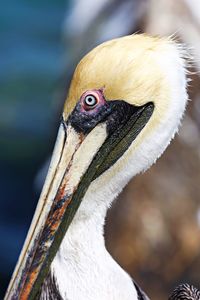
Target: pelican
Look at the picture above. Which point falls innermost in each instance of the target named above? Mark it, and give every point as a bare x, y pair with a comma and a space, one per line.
185, 291
124, 105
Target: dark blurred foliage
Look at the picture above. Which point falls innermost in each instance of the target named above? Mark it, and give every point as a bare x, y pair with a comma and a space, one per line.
153, 229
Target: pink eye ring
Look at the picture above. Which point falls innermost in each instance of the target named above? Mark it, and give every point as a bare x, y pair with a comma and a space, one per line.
90, 101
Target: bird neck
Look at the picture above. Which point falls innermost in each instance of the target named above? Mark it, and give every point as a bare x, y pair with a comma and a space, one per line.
82, 267
87, 228
84, 231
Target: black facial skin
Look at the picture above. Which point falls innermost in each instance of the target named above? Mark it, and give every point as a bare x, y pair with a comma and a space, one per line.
85, 121
115, 113
121, 113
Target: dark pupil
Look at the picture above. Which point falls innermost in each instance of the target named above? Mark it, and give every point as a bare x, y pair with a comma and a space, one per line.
90, 100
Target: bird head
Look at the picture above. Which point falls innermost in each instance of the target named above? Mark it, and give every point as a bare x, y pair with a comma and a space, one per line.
124, 105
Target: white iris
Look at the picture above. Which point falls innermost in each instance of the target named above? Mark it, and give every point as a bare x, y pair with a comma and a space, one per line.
90, 100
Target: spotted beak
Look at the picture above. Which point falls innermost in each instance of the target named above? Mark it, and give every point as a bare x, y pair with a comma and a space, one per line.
95, 135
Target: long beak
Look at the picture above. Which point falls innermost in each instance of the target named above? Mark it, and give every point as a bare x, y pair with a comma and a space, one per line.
57, 205
78, 158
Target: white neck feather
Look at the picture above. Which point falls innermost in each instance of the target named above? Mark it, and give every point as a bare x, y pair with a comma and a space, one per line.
83, 268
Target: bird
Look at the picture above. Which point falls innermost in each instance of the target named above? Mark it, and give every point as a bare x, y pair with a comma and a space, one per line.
185, 291
125, 103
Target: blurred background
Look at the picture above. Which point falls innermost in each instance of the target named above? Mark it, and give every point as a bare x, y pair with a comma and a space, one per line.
153, 229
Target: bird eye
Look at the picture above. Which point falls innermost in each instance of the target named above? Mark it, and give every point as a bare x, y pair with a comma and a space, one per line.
90, 101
